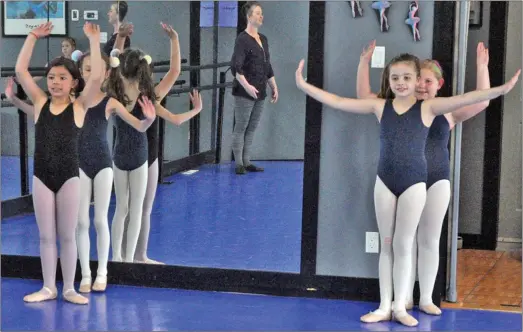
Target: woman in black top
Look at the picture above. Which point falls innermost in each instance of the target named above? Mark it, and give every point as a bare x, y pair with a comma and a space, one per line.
116, 15
252, 71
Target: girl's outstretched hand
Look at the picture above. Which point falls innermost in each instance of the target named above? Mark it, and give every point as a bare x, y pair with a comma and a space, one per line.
9, 91
169, 30
196, 99
505, 88
43, 30
366, 54
147, 108
91, 30
482, 56
300, 81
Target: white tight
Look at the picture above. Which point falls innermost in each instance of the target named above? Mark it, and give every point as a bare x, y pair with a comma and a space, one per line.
143, 240
103, 185
397, 220
130, 187
426, 248
140, 255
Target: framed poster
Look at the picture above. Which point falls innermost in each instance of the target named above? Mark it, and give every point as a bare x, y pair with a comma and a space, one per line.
20, 17
476, 14
227, 14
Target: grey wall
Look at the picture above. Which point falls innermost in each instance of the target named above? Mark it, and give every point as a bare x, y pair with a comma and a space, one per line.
350, 143
511, 159
281, 132
148, 35
473, 141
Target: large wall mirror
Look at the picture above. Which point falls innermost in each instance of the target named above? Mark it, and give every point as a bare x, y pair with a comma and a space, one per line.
204, 214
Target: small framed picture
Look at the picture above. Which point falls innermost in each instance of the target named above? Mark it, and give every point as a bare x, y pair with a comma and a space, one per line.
20, 17
476, 14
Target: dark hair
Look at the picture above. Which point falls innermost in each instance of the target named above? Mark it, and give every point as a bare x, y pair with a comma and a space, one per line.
122, 10
70, 40
133, 67
248, 7
105, 59
385, 91
72, 68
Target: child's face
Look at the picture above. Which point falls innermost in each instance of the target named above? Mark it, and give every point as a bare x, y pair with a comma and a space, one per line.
67, 49
60, 82
86, 69
403, 79
428, 85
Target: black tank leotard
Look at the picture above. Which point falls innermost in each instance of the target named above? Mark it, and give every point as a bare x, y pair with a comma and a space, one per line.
130, 149
152, 140
93, 148
403, 138
56, 147
437, 151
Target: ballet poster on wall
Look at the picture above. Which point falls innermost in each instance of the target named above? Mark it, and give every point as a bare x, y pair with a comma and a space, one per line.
20, 17
227, 14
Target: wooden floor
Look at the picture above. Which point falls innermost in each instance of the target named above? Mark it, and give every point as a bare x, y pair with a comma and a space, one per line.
488, 280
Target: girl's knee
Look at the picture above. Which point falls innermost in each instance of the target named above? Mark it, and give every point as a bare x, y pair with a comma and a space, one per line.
100, 223
47, 239
428, 242
402, 245
83, 224
122, 209
67, 239
386, 244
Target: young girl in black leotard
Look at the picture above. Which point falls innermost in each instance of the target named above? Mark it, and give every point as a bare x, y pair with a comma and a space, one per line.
55, 182
96, 173
130, 78
438, 181
400, 188
161, 90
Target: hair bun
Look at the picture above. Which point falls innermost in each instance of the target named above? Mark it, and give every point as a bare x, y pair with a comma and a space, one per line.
114, 62
115, 53
148, 59
76, 55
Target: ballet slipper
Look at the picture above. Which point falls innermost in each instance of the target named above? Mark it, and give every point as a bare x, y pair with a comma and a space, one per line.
404, 318
85, 285
148, 261
430, 309
376, 316
72, 296
100, 284
44, 294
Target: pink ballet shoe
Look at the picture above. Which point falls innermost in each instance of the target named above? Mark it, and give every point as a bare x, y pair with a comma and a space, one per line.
404, 318
45, 294
376, 316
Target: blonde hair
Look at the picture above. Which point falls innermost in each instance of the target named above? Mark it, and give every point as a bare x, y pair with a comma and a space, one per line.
434, 67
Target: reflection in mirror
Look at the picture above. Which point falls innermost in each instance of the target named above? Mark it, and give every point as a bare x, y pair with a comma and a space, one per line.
185, 204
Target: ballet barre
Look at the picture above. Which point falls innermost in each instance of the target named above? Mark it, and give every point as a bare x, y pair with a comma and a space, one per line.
6, 103
40, 71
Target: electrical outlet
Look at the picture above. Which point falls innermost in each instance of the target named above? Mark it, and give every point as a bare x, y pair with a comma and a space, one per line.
372, 242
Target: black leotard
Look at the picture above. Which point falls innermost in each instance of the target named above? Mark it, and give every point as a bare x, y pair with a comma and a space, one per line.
56, 147
130, 149
437, 151
93, 148
403, 138
152, 140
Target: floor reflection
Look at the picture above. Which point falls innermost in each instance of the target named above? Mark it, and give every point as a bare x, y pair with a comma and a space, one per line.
212, 218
